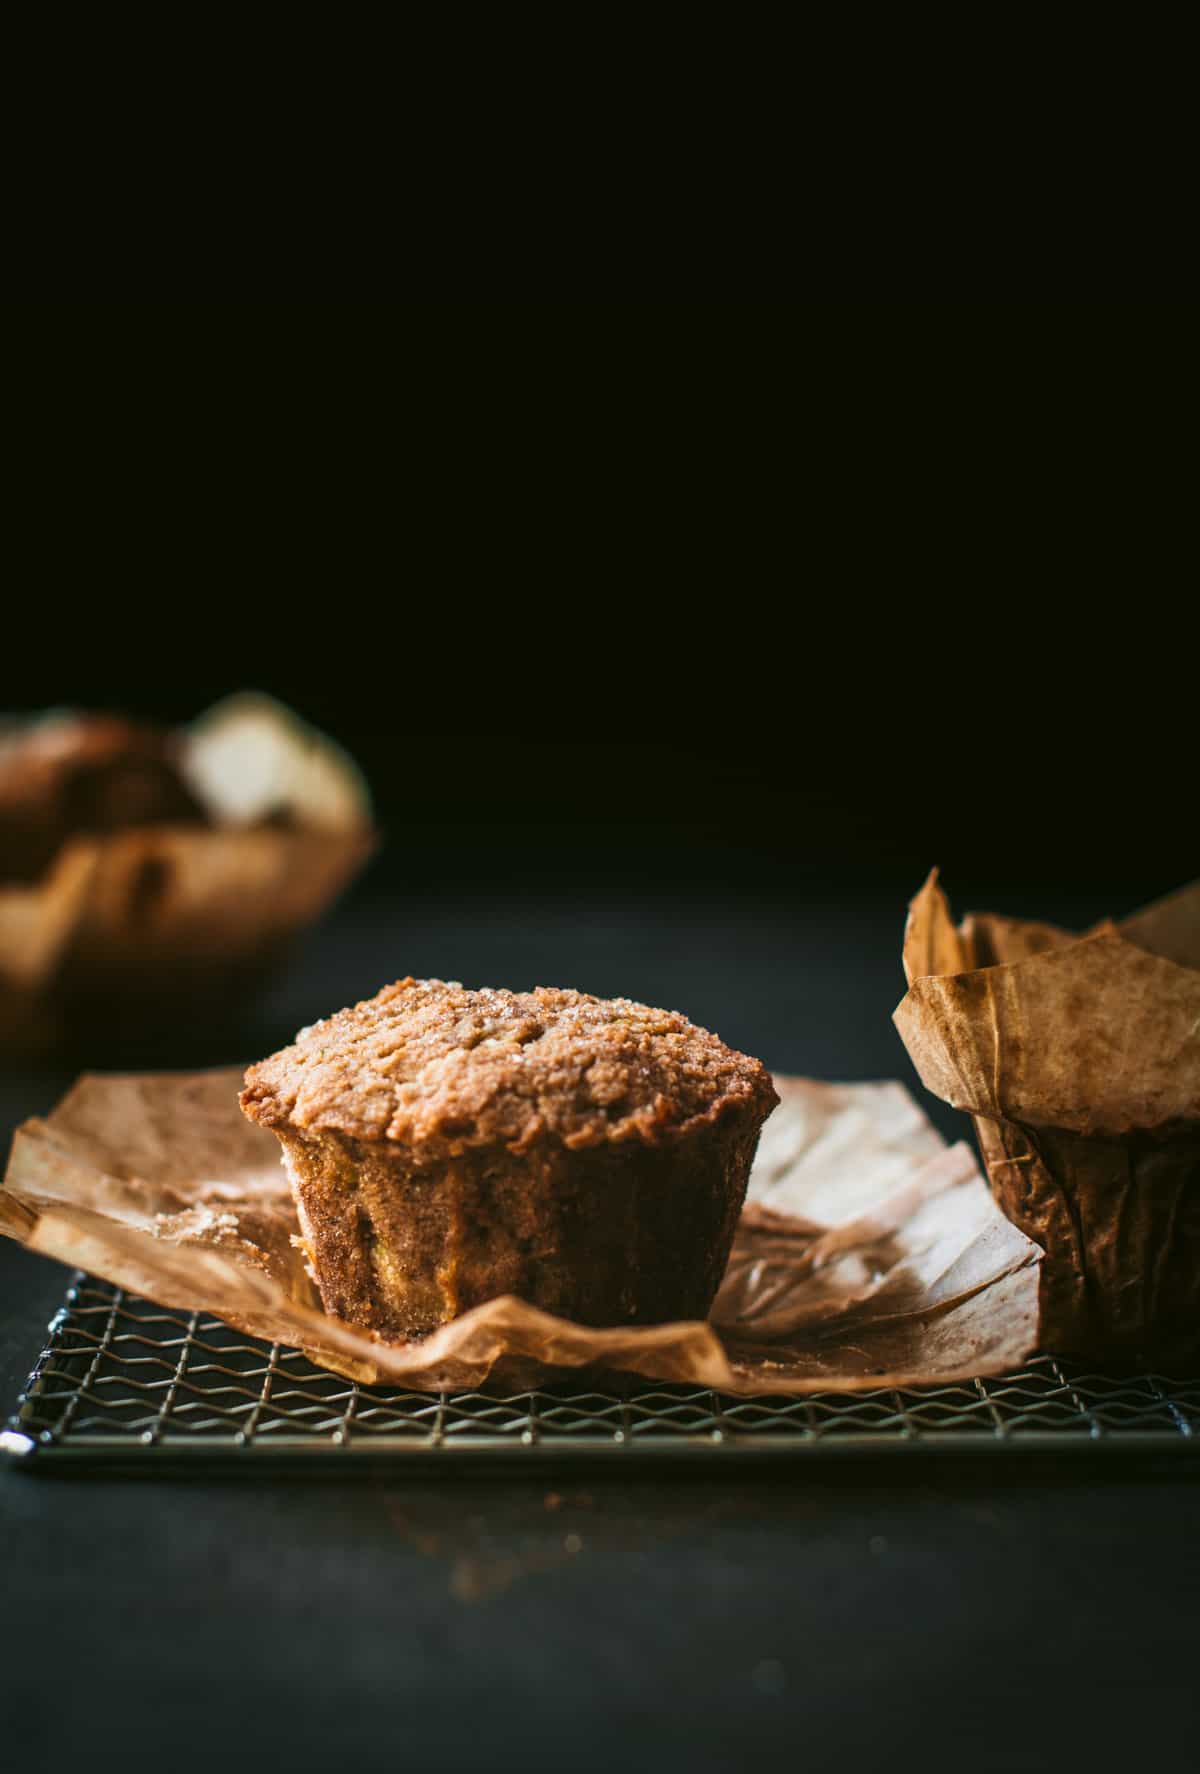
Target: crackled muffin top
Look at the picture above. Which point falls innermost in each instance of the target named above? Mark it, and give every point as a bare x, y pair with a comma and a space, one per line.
429, 1062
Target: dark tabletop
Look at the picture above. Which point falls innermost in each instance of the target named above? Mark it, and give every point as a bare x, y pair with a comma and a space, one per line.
958, 1614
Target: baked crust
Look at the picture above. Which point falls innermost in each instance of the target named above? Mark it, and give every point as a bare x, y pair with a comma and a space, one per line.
433, 1065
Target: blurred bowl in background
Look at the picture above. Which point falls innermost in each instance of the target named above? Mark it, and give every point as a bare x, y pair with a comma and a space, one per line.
148, 877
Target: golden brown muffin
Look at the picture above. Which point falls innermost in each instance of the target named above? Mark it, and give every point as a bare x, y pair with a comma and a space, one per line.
446, 1146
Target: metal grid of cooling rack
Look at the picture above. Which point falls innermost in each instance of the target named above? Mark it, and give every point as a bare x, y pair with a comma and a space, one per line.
122, 1379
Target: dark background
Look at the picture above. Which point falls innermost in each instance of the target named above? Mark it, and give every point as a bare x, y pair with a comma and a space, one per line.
677, 643
749, 598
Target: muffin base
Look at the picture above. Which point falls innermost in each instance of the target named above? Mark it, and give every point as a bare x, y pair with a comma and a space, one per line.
1119, 1221
607, 1235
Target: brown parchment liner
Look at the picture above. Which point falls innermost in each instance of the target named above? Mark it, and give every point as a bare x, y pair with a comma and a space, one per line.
869, 1253
176, 917
1079, 1058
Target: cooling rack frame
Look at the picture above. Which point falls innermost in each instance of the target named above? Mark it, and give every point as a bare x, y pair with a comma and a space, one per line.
123, 1382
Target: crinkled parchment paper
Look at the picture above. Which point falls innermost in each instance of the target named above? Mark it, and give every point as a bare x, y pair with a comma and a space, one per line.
1079, 1057
166, 914
869, 1253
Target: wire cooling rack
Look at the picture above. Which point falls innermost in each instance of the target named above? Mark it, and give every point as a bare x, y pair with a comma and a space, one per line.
122, 1380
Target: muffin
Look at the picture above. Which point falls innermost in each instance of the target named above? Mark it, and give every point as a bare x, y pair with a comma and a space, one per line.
1078, 1058
74, 774
445, 1146
148, 877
